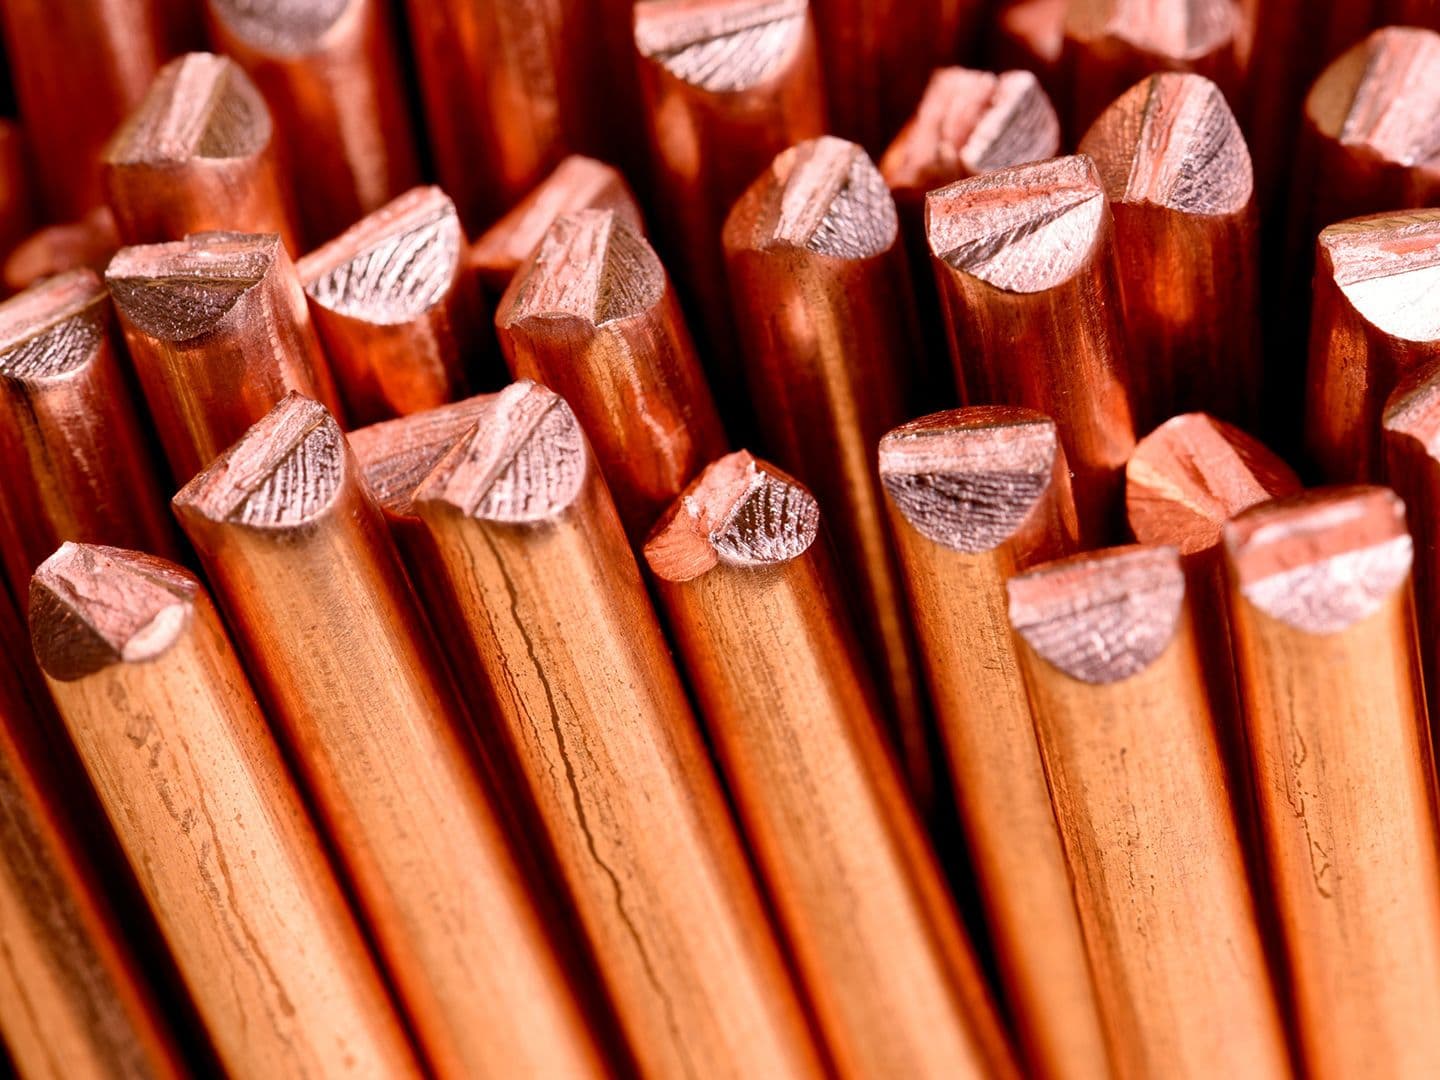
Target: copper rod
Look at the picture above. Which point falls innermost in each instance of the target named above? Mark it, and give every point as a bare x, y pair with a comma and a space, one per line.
169, 731
592, 315
877, 57
394, 307
1372, 325
75, 1003
976, 495
1411, 13
75, 453
199, 152
1125, 728
218, 331
1026, 264
560, 635
330, 74
509, 90
17, 194
759, 620
73, 245
577, 183
1324, 637
78, 68
1177, 173
1112, 44
728, 84
817, 238
312, 586
1029, 35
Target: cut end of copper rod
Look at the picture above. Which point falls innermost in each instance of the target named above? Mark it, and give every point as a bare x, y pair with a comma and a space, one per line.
1322, 561
1102, 616
180, 290
721, 46
1383, 97
282, 473
1024, 229
91, 242
740, 511
971, 122
968, 479
824, 196
287, 29
592, 265
92, 607
525, 461
1192, 474
396, 455
53, 328
1178, 33
1388, 267
393, 265
578, 183
1171, 141
1030, 34
1413, 412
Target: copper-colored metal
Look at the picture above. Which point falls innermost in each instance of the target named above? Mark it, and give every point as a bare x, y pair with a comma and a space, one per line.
816, 238
78, 68
577, 183
198, 153
89, 242
219, 331
298, 554
757, 613
1029, 35
1112, 44
1026, 264
1125, 729
593, 316
171, 735
876, 58
17, 197
728, 84
1373, 323
1324, 640
1411, 13
509, 90
74, 1004
976, 495
331, 75
394, 307
1368, 142
558, 622
1177, 174
76, 462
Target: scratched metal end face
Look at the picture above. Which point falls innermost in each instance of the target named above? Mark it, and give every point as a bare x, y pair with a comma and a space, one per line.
94, 607
279, 26
1323, 561
592, 265
180, 290
1383, 96
1177, 30
968, 479
282, 473
739, 512
1103, 616
720, 46
1388, 267
825, 196
52, 328
1024, 229
1172, 141
199, 106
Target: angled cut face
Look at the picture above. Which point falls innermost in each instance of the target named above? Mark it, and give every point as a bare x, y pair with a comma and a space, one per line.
720, 46
199, 106
52, 328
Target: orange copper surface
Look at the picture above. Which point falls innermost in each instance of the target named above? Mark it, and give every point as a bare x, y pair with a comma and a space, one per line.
976, 495
17, 194
199, 152
218, 331
1030, 35
330, 73
1025, 259
88, 242
186, 767
394, 307
561, 637
763, 631
75, 452
1324, 641
311, 583
1126, 732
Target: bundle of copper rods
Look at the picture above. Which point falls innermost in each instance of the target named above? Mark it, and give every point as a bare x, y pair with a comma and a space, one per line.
701, 539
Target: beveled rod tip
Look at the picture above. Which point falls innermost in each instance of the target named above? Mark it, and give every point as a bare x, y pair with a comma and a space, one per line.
969, 478
1178, 31
739, 511
92, 607
1323, 560
199, 106
1383, 96
1102, 616
1388, 267
720, 46
284, 28
53, 327
396, 455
